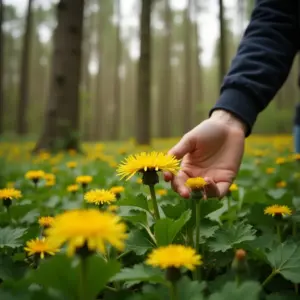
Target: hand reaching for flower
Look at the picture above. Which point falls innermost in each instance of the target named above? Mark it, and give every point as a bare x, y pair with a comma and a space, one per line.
212, 150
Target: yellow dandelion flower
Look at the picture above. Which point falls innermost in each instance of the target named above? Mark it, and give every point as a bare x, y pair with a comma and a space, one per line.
72, 164
35, 175
196, 183
40, 247
112, 208
10, 194
90, 227
117, 189
143, 162
296, 156
280, 160
50, 182
277, 210
99, 196
84, 179
270, 170
161, 192
73, 188
49, 177
233, 187
174, 256
281, 184
46, 221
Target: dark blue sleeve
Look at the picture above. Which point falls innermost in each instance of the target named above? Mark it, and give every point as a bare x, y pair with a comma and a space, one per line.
263, 60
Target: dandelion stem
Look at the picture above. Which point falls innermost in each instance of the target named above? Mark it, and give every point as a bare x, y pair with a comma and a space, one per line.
269, 278
154, 201
83, 278
197, 234
173, 291
229, 202
278, 232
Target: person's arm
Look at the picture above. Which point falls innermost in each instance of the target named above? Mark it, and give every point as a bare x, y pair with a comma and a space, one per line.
263, 61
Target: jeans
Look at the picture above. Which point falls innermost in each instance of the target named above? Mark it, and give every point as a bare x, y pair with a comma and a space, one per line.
297, 138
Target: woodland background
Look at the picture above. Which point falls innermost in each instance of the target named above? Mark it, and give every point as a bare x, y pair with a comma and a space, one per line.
86, 78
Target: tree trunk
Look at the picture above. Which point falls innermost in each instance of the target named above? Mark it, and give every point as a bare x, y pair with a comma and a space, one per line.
117, 86
222, 50
143, 118
22, 126
165, 80
197, 115
62, 115
1, 69
187, 94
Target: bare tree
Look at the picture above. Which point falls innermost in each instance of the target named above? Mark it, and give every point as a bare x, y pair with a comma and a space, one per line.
165, 80
222, 50
117, 86
61, 128
1, 68
22, 126
187, 95
143, 118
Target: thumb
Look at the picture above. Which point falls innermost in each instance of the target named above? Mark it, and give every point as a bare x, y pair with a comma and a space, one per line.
184, 146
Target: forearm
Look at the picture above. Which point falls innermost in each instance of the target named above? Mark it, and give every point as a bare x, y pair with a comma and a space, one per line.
263, 60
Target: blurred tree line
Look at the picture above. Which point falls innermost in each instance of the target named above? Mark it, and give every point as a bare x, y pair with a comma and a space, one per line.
84, 82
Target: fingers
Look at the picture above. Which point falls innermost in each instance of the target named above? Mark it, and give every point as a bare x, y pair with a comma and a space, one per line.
184, 146
211, 189
223, 188
168, 176
178, 184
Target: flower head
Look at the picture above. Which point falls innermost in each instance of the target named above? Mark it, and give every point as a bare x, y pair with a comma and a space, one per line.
91, 228
143, 162
174, 256
161, 192
72, 164
276, 209
280, 160
10, 194
281, 184
35, 175
84, 179
117, 189
196, 183
73, 188
46, 221
233, 187
99, 196
112, 208
40, 247
50, 179
270, 170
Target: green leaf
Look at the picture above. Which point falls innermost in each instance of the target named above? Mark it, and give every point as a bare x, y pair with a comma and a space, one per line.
207, 230
282, 297
138, 242
190, 290
137, 201
10, 237
285, 259
165, 230
136, 215
139, 273
10, 269
227, 238
60, 273
254, 194
247, 291
276, 193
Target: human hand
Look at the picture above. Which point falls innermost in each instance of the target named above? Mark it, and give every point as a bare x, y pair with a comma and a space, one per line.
212, 150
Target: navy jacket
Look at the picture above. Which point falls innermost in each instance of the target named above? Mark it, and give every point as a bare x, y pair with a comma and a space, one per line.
263, 60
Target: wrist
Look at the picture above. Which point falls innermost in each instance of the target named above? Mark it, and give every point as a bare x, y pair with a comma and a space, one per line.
229, 119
